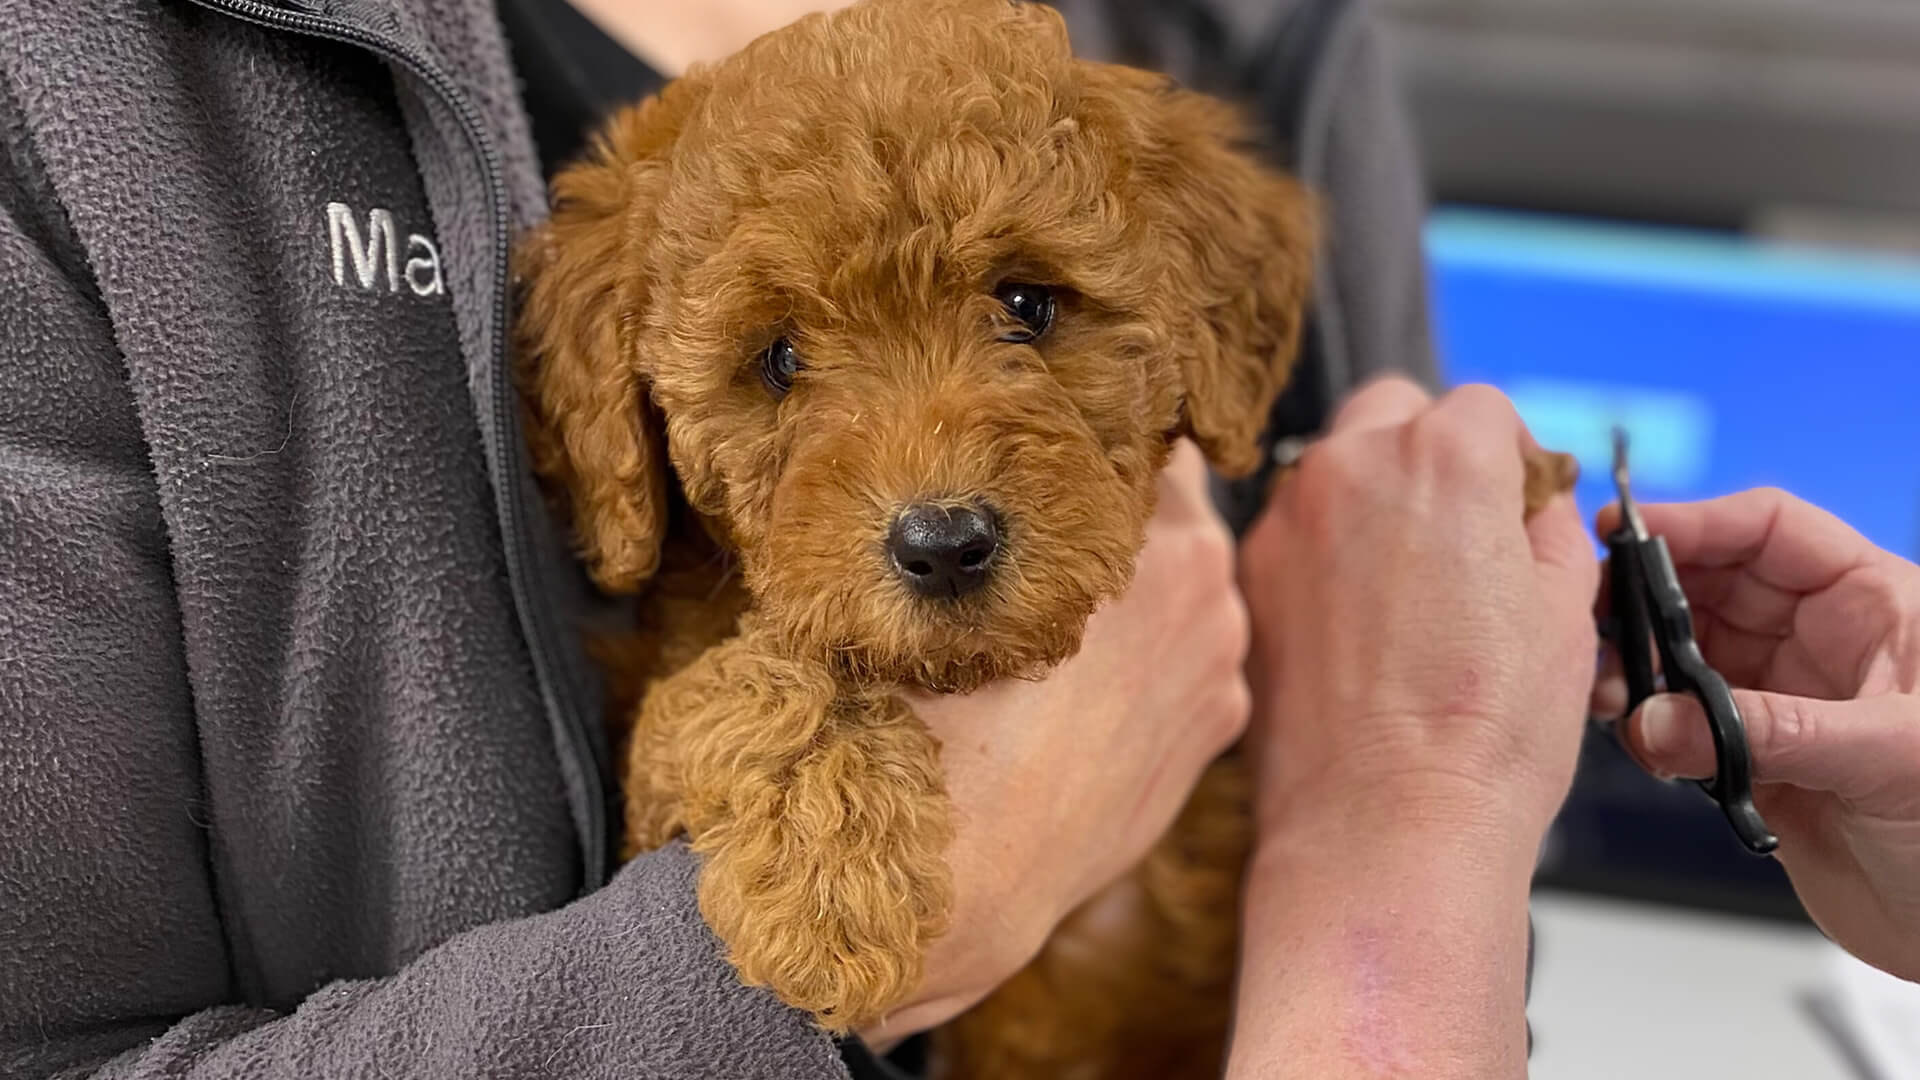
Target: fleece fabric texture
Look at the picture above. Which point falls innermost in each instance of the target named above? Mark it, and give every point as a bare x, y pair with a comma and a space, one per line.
300, 767
283, 792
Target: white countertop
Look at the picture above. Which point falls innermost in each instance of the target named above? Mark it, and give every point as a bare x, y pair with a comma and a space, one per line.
1625, 990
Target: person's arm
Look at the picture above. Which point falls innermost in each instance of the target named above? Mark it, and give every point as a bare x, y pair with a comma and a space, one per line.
1382, 944
1421, 657
626, 982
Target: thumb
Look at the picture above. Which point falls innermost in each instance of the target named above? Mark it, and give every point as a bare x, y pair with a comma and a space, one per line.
1850, 748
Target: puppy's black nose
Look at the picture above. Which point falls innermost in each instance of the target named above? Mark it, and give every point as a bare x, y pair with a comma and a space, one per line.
943, 550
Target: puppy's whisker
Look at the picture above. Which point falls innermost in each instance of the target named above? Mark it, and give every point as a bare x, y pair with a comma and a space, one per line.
1012, 566
720, 583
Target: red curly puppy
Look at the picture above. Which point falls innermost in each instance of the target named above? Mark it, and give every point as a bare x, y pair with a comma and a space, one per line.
858, 353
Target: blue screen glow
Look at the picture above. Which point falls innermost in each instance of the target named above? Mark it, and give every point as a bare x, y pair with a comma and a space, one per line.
1733, 364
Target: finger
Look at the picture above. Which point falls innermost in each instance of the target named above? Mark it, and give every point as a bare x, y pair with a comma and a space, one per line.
1183, 482
1381, 403
1781, 540
1547, 474
1559, 540
1741, 600
1854, 749
1603, 594
1569, 570
1609, 697
1741, 657
1738, 634
1739, 622
1477, 428
1186, 463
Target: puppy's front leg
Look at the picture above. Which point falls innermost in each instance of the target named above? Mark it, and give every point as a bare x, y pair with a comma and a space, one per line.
824, 823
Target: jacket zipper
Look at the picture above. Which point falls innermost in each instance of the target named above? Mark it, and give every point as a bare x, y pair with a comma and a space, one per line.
571, 727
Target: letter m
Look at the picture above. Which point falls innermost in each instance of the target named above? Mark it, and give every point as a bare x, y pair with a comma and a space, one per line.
364, 253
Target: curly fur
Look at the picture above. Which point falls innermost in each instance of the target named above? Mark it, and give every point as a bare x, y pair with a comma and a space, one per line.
859, 183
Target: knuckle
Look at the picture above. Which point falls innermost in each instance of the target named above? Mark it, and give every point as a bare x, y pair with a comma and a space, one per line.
1908, 740
1787, 726
1906, 605
1452, 437
1393, 385
1238, 635
1763, 502
1331, 470
1391, 394
1341, 457
1241, 627
1209, 551
1480, 396
1233, 714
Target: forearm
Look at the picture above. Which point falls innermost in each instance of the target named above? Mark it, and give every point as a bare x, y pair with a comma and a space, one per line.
1384, 952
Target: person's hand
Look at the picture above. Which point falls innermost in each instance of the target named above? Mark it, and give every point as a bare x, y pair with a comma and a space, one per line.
1418, 645
1421, 661
1819, 633
1061, 785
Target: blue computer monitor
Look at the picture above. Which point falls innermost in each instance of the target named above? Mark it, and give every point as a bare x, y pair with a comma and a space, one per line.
1733, 364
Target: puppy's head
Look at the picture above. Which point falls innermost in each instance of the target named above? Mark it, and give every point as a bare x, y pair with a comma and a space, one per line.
912, 303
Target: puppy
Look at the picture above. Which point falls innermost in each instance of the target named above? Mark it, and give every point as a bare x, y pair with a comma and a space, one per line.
856, 356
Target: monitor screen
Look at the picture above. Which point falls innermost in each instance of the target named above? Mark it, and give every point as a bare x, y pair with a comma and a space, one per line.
1733, 364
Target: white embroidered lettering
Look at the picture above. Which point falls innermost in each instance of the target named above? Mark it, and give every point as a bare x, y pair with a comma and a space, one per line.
428, 264
378, 249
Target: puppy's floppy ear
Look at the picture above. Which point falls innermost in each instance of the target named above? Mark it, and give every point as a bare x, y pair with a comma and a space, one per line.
1238, 241
591, 430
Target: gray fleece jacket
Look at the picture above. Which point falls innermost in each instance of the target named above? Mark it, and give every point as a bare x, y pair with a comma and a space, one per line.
300, 766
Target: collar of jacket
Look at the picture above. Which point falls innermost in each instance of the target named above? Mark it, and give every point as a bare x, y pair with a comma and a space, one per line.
458, 94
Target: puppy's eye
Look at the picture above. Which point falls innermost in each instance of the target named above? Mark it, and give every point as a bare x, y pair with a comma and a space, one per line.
778, 365
1032, 305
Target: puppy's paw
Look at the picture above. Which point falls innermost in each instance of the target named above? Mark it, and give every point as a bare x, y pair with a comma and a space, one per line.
828, 886
1548, 474
845, 962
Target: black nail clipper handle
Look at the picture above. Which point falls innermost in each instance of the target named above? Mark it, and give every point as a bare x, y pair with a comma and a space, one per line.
1630, 627
1687, 672
1647, 595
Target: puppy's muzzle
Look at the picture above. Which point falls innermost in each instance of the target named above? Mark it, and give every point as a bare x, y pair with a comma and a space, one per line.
944, 550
